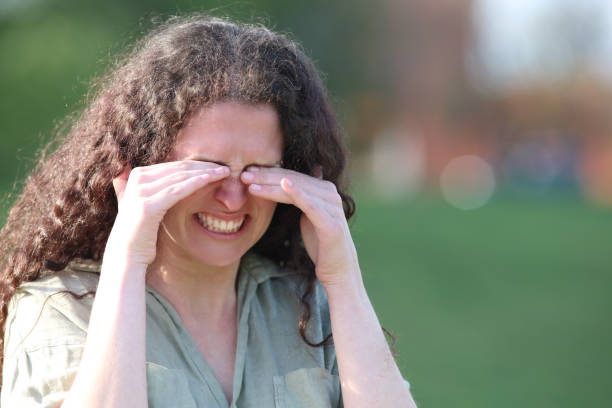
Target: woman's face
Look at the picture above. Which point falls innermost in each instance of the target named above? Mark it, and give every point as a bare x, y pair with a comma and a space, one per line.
217, 224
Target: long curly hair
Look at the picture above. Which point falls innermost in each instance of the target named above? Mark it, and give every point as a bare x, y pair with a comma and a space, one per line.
68, 205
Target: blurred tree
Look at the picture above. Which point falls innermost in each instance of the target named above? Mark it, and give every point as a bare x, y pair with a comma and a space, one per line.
53, 48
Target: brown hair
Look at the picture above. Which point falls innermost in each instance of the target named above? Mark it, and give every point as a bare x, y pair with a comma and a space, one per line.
68, 206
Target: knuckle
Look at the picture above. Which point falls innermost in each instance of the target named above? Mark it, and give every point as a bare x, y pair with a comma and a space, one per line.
134, 191
137, 170
180, 177
139, 193
332, 191
336, 199
137, 175
329, 185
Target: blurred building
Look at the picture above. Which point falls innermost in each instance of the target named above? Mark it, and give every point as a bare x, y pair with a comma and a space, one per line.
538, 116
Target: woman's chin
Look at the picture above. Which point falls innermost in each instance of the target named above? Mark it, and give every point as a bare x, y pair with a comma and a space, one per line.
220, 258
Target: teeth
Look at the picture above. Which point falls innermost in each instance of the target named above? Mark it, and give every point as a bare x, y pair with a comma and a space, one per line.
217, 225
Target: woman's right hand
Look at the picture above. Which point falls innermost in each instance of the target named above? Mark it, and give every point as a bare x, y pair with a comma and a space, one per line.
144, 194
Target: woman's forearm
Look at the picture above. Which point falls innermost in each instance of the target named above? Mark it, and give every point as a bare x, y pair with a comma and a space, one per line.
112, 371
368, 373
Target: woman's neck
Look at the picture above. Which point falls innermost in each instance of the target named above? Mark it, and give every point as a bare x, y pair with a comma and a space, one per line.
194, 289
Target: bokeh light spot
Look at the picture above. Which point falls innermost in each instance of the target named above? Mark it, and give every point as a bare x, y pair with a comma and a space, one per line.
467, 182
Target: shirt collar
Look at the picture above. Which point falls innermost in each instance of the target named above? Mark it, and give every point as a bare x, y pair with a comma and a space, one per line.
84, 265
256, 266
260, 268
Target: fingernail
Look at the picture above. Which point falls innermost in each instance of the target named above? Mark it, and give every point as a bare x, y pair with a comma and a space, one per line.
220, 170
253, 169
248, 176
255, 187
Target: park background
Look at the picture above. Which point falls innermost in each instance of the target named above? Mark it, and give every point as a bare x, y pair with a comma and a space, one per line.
481, 165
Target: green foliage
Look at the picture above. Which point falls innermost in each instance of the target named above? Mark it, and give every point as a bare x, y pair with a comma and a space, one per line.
51, 49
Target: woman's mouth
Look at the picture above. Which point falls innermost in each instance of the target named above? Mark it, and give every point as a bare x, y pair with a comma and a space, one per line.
218, 225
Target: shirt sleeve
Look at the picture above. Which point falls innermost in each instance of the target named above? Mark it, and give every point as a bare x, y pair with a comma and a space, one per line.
44, 343
40, 377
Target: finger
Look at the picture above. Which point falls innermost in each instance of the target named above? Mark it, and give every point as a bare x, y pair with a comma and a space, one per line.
163, 182
279, 195
317, 171
273, 176
120, 182
308, 203
286, 193
270, 192
164, 199
269, 175
262, 175
149, 173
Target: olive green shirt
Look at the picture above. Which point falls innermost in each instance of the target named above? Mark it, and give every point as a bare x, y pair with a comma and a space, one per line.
46, 331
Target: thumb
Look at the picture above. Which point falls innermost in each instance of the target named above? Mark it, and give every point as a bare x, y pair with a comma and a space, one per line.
120, 182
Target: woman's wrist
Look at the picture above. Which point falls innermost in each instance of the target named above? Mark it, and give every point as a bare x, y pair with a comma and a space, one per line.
349, 288
122, 264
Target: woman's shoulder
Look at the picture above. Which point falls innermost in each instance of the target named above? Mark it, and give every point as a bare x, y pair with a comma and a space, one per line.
53, 308
45, 333
79, 276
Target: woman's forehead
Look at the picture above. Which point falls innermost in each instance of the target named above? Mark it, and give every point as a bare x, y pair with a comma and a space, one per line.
232, 133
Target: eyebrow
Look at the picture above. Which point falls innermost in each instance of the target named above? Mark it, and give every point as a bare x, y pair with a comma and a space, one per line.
278, 163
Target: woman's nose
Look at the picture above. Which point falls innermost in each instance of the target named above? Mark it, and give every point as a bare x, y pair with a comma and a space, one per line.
232, 192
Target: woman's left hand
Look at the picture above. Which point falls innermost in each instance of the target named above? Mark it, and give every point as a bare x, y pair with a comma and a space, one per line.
323, 225
369, 374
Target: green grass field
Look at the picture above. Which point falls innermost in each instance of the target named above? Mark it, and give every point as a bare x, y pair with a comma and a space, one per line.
500, 307
504, 306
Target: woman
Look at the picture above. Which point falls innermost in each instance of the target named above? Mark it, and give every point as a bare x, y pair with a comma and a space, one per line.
199, 197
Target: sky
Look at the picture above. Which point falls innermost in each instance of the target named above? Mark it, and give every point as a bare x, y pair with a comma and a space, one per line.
526, 41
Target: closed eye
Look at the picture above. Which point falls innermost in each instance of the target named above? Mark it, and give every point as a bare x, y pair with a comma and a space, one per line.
220, 163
